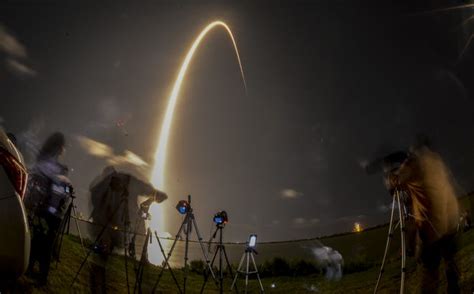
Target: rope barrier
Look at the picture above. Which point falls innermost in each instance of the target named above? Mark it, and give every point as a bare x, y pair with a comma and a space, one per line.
196, 241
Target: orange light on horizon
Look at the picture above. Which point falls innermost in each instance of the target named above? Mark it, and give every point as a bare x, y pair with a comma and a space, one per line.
357, 228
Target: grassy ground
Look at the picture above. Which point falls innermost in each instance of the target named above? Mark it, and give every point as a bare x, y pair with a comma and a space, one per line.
362, 282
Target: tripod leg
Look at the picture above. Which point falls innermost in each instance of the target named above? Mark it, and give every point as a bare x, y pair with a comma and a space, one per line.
139, 273
143, 261
186, 251
396, 226
238, 270
227, 261
96, 241
84, 251
206, 276
68, 224
247, 271
206, 257
166, 262
402, 236
387, 245
125, 255
131, 248
78, 230
58, 239
221, 271
258, 275
167, 258
85, 259
126, 270
229, 266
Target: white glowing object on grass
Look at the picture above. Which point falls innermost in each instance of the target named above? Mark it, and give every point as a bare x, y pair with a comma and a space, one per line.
155, 223
331, 260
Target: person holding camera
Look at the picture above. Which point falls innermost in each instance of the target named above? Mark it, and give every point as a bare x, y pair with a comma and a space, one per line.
429, 185
46, 201
115, 211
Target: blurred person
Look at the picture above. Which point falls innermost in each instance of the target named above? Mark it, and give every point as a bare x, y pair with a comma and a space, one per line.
434, 207
336, 262
330, 261
46, 202
115, 200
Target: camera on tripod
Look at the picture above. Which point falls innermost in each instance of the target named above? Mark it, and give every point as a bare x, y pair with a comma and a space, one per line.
221, 218
387, 164
69, 189
252, 242
183, 206
390, 166
248, 256
61, 195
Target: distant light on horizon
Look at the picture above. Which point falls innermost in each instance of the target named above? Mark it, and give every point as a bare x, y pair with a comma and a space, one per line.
357, 228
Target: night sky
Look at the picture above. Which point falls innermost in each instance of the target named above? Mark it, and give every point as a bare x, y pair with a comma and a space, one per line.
331, 85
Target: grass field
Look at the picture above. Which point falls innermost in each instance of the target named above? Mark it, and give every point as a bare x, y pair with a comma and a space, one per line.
369, 245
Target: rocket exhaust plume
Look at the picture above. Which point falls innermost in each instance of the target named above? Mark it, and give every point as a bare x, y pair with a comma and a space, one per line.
157, 174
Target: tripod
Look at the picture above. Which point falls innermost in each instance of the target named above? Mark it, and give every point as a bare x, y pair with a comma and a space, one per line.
248, 254
64, 227
144, 260
188, 223
220, 248
95, 245
401, 222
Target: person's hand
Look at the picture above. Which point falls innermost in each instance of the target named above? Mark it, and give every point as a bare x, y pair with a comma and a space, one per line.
160, 196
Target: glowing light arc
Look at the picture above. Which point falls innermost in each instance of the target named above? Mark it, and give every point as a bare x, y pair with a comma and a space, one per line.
158, 172
157, 176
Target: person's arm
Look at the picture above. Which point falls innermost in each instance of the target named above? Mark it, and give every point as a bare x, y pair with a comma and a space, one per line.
145, 205
160, 196
147, 189
401, 177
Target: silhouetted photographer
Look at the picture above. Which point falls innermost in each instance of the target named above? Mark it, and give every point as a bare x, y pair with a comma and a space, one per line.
115, 201
433, 206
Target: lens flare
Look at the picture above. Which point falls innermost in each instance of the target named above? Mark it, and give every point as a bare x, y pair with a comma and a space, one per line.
158, 172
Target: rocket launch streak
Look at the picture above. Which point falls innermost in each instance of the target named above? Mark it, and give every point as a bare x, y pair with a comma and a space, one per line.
157, 175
